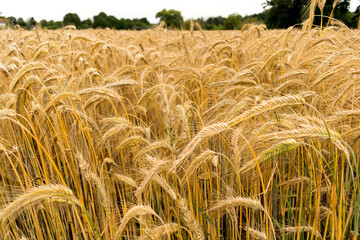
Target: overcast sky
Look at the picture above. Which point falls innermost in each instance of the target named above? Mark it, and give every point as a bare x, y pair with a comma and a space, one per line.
55, 10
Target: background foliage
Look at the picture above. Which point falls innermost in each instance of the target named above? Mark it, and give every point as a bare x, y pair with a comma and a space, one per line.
276, 14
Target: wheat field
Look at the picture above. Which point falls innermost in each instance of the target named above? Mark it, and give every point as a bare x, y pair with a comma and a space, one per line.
161, 134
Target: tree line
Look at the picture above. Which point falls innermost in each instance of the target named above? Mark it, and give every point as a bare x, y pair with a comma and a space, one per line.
102, 20
172, 18
276, 14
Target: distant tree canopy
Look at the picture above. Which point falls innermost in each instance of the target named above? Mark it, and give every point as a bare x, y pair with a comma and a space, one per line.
286, 13
72, 19
233, 21
213, 23
355, 17
279, 14
341, 11
172, 18
104, 21
87, 23
21, 22
31, 23
12, 21
101, 21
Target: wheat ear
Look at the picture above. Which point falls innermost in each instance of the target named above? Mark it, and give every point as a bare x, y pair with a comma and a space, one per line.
235, 202
289, 100
292, 230
256, 234
271, 152
90, 175
184, 209
139, 210
47, 193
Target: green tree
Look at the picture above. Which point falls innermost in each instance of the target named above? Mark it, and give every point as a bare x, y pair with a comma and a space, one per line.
54, 25
30, 23
12, 21
172, 18
233, 21
214, 23
21, 22
355, 17
341, 11
113, 21
139, 24
216, 20
72, 19
87, 23
123, 24
286, 13
51, 25
101, 21
255, 18
43, 23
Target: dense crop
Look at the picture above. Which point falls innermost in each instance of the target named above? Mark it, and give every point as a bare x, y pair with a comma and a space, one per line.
157, 134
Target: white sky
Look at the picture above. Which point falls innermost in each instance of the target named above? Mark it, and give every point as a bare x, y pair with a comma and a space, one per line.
55, 10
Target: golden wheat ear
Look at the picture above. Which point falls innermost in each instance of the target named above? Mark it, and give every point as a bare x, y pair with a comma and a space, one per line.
90, 175
309, 229
32, 66
159, 232
256, 234
204, 134
34, 196
235, 202
139, 210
